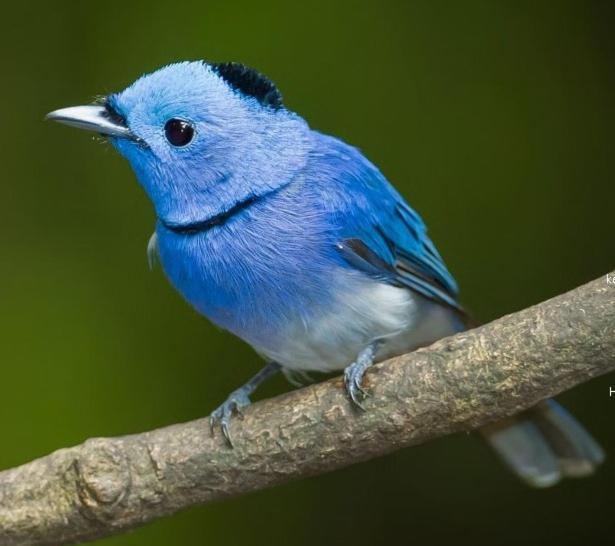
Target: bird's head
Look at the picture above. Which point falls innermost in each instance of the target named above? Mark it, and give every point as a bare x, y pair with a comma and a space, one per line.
201, 138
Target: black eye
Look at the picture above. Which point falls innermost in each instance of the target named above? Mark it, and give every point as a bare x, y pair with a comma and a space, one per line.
178, 132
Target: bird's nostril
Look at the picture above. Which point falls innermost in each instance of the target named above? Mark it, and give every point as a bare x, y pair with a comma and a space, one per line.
113, 115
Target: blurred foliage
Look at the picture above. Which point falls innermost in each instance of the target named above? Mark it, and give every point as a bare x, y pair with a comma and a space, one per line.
494, 119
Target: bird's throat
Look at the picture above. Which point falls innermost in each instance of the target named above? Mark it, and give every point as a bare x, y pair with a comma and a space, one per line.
192, 228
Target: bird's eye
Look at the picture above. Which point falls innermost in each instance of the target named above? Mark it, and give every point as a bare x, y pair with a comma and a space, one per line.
178, 132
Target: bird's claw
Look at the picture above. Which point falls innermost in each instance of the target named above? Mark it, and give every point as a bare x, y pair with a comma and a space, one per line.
223, 414
353, 377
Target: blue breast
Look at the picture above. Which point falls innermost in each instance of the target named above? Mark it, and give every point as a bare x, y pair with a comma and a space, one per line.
262, 268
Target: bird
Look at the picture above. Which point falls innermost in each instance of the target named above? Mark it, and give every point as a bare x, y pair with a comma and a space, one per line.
296, 243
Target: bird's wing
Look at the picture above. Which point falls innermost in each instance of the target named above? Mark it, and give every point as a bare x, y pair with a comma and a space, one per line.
397, 250
381, 235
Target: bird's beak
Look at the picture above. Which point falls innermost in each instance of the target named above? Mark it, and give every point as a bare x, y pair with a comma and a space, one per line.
97, 118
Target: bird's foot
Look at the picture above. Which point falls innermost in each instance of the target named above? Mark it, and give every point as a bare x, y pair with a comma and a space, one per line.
353, 375
238, 399
353, 378
223, 414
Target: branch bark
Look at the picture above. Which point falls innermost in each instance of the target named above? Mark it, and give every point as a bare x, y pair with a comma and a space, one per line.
109, 485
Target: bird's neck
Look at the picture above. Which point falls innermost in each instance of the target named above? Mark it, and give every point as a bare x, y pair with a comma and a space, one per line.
233, 178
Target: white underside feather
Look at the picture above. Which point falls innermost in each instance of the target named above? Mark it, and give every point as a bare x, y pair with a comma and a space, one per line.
364, 310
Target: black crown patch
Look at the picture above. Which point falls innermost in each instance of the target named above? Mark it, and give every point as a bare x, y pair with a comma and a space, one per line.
249, 82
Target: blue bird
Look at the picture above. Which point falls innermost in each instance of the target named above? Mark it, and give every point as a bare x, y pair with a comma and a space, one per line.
296, 243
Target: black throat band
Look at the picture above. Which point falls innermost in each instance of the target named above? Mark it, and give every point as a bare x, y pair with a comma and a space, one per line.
200, 226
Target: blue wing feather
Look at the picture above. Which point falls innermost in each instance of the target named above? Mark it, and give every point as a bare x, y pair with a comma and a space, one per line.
379, 233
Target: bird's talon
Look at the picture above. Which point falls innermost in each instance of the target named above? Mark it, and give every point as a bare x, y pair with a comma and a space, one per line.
226, 433
355, 397
359, 388
353, 379
224, 413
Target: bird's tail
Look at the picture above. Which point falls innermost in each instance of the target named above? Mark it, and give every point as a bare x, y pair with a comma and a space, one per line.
544, 445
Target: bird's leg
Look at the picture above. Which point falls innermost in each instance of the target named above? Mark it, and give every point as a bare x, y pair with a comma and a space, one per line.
353, 374
239, 398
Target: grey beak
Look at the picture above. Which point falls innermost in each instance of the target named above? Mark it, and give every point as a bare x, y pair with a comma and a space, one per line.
93, 118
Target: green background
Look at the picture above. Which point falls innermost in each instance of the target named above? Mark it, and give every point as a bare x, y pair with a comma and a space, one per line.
494, 119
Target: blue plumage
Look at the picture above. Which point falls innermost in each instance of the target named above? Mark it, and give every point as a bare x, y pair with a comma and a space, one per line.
291, 239
372, 212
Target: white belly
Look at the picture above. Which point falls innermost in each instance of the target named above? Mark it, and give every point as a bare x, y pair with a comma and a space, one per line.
363, 311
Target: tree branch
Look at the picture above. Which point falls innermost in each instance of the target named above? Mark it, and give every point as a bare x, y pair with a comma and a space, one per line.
109, 485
